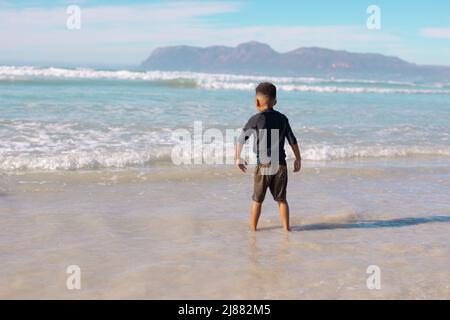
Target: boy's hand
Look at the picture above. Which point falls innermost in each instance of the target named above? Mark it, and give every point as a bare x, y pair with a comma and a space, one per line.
241, 165
297, 165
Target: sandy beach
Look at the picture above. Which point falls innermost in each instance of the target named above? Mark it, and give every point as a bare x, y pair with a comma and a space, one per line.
126, 127
133, 238
87, 179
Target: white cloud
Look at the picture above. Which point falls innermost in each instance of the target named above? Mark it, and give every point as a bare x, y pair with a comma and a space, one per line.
440, 33
127, 34
41, 34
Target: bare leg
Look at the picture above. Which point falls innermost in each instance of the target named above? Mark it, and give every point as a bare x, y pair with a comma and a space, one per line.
256, 212
284, 212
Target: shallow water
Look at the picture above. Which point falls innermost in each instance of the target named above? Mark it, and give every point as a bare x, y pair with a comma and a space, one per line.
133, 238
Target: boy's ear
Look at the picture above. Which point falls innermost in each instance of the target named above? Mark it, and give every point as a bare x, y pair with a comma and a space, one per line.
275, 102
258, 104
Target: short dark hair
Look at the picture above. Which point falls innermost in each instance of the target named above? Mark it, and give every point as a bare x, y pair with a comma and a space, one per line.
267, 89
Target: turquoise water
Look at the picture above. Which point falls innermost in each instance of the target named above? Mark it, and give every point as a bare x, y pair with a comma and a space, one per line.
65, 119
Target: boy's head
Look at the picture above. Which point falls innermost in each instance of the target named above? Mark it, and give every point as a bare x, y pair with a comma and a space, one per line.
266, 96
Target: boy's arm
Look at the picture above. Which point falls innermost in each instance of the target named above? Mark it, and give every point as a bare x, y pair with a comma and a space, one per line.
298, 158
247, 131
293, 143
240, 162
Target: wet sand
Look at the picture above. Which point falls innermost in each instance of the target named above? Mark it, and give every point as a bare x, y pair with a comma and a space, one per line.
169, 234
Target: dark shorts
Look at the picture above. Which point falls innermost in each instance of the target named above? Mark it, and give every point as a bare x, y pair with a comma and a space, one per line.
277, 183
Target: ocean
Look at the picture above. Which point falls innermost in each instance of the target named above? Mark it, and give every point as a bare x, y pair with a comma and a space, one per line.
87, 178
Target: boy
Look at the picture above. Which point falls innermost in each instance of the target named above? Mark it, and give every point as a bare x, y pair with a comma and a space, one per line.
263, 126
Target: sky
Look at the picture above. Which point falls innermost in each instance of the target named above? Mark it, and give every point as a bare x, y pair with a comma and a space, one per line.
118, 32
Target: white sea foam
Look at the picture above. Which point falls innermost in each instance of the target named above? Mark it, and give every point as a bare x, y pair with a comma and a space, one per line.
327, 152
225, 81
321, 89
98, 159
82, 160
86, 73
34, 145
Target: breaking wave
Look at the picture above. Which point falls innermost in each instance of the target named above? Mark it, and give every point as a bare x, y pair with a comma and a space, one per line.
324, 89
102, 159
225, 81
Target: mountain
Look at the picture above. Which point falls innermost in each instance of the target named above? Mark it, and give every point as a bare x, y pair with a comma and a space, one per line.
259, 58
